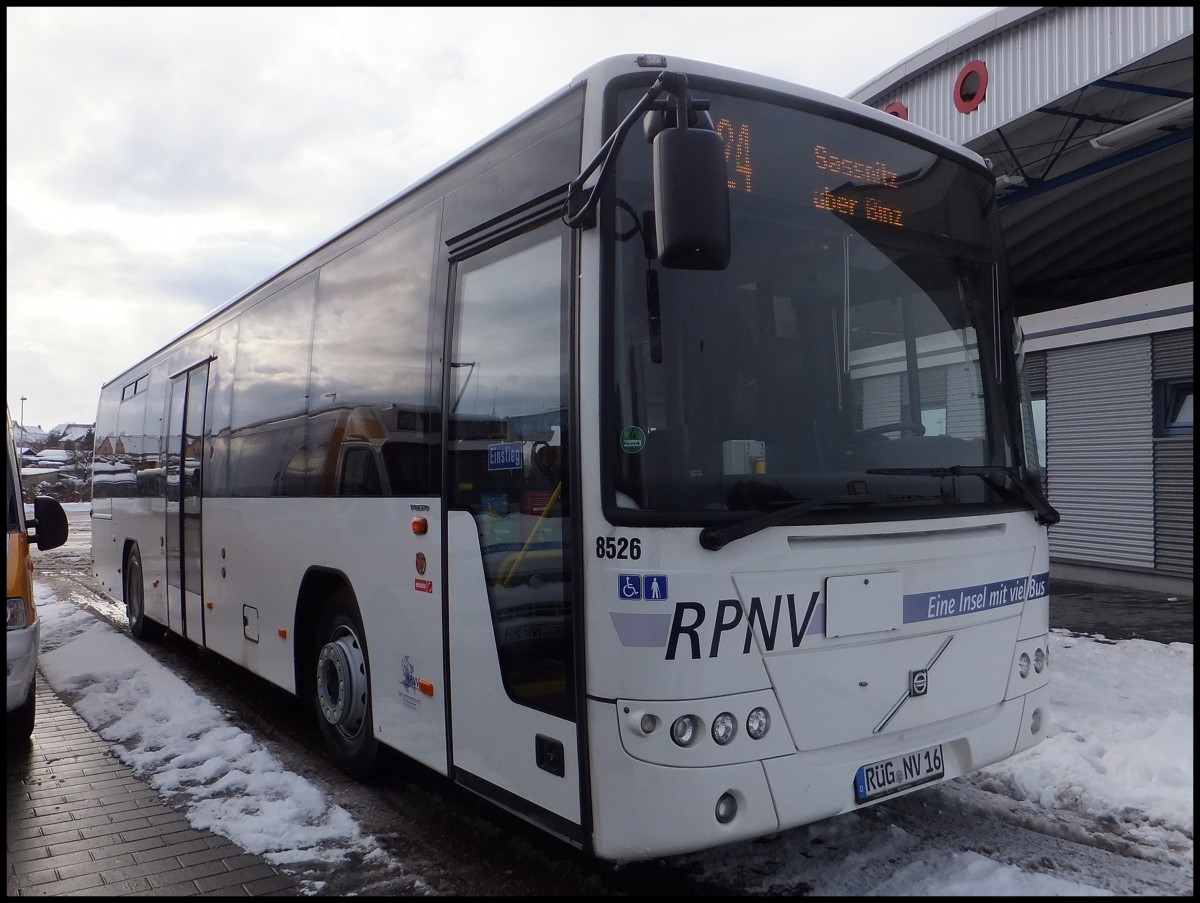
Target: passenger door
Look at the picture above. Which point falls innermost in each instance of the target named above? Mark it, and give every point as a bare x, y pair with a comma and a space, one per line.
509, 556
185, 460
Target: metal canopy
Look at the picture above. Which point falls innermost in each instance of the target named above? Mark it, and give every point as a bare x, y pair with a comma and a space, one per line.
1096, 189
1085, 114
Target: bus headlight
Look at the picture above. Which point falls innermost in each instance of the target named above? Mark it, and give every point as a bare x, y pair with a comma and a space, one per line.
723, 728
1023, 665
683, 730
758, 722
1039, 660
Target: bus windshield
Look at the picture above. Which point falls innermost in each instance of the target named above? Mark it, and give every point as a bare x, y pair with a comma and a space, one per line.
857, 329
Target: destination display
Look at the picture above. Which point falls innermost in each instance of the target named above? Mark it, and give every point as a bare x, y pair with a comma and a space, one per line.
852, 172
845, 178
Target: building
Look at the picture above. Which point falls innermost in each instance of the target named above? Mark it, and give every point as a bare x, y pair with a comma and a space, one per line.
1084, 114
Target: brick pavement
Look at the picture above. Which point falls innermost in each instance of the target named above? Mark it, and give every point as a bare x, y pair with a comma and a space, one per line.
81, 823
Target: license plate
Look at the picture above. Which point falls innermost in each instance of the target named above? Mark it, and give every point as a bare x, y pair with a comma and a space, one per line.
890, 776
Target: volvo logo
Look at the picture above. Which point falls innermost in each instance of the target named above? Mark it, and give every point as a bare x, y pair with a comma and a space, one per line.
918, 685
918, 682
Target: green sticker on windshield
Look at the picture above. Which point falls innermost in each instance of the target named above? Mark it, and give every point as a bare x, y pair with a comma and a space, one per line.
633, 439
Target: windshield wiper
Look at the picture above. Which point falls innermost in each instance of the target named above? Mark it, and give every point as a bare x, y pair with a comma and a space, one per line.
1046, 514
714, 538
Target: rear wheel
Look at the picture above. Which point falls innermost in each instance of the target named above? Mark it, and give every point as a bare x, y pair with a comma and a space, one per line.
343, 686
140, 626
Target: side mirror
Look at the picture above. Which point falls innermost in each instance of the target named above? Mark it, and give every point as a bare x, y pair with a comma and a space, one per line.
50, 521
691, 195
691, 199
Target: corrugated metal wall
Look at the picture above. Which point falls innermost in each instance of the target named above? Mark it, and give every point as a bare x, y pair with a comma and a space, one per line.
964, 413
1067, 46
1174, 532
1099, 458
954, 387
1173, 356
1035, 371
880, 400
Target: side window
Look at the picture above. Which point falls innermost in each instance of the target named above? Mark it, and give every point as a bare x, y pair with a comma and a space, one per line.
360, 473
375, 360
508, 426
1173, 402
267, 444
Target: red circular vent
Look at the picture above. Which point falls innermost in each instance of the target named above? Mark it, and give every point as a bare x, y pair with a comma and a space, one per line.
971, 86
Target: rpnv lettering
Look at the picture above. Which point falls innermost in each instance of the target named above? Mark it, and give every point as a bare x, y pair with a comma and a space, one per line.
691, 637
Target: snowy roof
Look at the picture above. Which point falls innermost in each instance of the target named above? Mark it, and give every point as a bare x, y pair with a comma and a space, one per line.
28, 435
72, 431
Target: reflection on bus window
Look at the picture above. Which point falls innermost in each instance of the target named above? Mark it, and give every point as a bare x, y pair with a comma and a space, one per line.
507, 459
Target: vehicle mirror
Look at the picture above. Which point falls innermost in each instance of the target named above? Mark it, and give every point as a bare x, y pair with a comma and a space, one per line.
691, 200
50, 521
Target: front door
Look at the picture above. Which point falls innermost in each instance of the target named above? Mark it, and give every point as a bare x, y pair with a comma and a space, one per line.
509, 556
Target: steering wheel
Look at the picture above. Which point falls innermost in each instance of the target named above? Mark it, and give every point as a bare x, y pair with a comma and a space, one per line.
904, 427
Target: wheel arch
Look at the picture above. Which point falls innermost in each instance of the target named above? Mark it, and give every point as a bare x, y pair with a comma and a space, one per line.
315, 588
129, 545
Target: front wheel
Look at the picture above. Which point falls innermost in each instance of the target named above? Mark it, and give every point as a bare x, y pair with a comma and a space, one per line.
343, 687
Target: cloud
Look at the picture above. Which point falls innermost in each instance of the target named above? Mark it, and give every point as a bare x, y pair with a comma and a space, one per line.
161, 160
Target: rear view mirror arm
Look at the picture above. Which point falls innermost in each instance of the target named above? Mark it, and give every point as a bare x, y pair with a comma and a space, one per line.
579, 208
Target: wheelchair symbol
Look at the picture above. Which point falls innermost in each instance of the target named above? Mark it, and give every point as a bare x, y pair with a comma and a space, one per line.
635, 586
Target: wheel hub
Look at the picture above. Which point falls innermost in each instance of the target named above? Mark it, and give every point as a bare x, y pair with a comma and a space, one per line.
341, 683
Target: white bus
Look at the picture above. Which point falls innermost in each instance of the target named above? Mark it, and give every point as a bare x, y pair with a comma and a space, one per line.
663, 477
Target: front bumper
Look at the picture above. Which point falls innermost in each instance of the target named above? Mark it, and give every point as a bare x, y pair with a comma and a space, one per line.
23, 647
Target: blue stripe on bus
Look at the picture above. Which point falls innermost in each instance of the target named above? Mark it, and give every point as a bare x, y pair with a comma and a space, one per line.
967, 600
652, 629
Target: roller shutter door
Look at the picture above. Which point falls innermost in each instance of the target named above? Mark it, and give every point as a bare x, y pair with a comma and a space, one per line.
1099, 452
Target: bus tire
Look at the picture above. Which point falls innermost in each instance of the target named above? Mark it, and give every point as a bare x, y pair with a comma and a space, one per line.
343, 686
20, 719
134, 591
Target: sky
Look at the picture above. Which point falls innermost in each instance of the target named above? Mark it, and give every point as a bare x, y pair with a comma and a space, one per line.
1119, 751
161, 161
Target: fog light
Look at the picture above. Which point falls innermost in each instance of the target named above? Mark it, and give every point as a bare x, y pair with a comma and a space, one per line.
1023, 665
1039, 660
1035, 722
726, 808
758, 722
649, 723
723, 728
683, 730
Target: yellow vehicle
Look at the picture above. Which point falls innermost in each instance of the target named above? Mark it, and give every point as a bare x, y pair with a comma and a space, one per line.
48, 530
